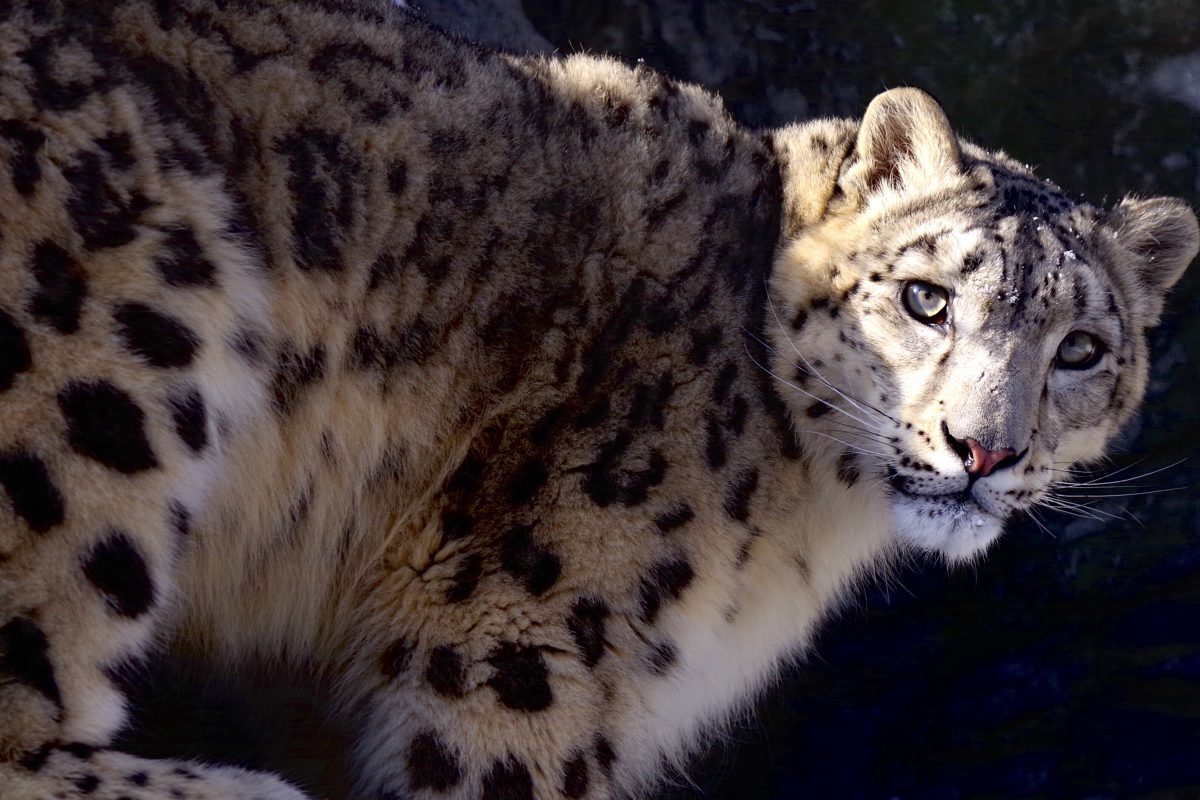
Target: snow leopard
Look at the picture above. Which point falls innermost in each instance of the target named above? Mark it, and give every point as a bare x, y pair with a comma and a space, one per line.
533, 402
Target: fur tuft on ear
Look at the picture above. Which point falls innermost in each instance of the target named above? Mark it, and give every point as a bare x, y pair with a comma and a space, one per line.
904, 140
1162, 236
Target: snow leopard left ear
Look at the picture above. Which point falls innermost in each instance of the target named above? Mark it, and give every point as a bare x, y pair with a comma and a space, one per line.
904, 141
1162, 236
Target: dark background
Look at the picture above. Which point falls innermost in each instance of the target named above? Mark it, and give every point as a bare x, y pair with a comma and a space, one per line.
1065, 665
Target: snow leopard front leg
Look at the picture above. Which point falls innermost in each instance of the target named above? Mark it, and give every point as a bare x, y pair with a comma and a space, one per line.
508, 645
482, 663
122, 295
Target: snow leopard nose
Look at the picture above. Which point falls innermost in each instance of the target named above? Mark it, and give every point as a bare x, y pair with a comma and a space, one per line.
978, 461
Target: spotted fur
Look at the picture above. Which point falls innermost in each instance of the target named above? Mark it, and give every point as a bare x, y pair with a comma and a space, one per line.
534, 403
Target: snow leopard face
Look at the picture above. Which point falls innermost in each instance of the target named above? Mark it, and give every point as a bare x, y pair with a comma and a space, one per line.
959, 331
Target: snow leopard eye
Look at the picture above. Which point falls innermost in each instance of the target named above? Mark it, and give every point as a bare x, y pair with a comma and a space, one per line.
926, 302
1079, 350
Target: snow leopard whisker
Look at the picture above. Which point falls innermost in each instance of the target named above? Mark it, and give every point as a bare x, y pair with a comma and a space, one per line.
804, 392
1033, 515
847, 444
856, 402
1129, 494
1100, 480
1081, 510
869, 434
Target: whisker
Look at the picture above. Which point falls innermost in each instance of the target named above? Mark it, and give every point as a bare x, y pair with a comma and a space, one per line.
847, 444
855, 431
1037, 521
788, 339
788, 383
853, 401
1078, 510
1132, 494
1099, 482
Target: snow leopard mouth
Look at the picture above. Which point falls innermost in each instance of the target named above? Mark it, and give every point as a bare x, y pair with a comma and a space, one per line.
957, 506
956, 524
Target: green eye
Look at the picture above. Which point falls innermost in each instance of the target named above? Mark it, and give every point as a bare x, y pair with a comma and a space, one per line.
1079, 350
926, 302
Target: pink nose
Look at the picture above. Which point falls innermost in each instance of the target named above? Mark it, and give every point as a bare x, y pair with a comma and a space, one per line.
982, 461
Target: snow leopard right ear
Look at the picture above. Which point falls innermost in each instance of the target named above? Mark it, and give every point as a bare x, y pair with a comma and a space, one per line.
904, 141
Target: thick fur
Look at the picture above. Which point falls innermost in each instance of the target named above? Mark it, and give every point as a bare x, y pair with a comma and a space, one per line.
535, 403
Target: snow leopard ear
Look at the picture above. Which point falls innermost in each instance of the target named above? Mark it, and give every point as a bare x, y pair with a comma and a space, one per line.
1162, 236
904, 141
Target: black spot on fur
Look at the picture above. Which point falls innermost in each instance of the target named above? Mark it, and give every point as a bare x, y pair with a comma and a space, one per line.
48, 91
666, 580
586, 623
468, 476
715, 452
103, 217
24, 658
971, 262
23, 165
737, 501
606, 482
181, 519
87, 783
847, 470
296, 371
105, 424
447, 142
31, 491
35, 760
662, 657
15, 357
455, 525
703, 343
61, 287
395, 658
593, 415
534, 565
190, 417
182, 261
724, 382
521, 680
248, 345
116, 568
818, 409
325, 184
550, 422
465, 579
138, 779
675, 517
397, 177
735, 420
159, 338
446, 672
575, 776
605, 755
431, 764
118, 148
613, 334
525, 484
656, 216
508, 779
